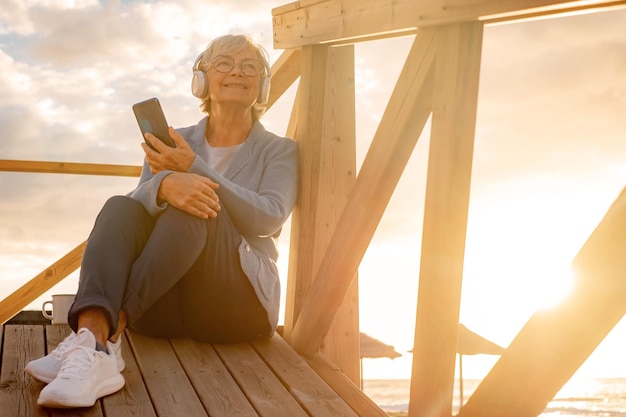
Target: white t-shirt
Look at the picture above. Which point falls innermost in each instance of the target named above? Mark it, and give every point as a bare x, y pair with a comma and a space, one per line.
218, 158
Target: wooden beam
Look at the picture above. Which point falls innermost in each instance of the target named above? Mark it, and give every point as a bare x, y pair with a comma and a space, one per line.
292, 126
327, 139
47, 279
304, 218
342, 342
554, 343
70, 168
393, 143
455, 101
340, 20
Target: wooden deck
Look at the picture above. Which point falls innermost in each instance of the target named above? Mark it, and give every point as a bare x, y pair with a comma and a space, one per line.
181, 377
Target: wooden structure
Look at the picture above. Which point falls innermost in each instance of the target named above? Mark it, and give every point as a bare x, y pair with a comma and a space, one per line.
338, 210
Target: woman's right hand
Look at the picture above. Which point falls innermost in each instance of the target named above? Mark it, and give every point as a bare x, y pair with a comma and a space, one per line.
191, 193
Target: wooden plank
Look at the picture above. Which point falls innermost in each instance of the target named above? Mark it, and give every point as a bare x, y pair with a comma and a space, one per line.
95, 411
568, 9
70, 168
309, 389
171, 392
554, 343
294, 6
55, 334
395, 138
132, 400
340, 20
264, 391
216, 388
455, 99
47, 279
18, 391
349, 392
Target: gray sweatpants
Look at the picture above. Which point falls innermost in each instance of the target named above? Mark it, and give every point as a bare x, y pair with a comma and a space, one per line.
175, 275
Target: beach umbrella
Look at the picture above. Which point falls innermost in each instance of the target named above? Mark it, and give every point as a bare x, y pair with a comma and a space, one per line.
470, 343
373, 348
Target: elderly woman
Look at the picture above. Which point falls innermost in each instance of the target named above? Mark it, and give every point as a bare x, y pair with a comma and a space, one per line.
192, 250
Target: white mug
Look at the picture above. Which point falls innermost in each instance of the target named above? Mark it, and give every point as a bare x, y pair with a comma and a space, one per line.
61, 304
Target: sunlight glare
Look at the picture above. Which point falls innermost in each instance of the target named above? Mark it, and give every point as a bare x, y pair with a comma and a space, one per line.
552, 287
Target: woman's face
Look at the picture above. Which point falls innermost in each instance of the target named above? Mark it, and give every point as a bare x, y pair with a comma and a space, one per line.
234, 78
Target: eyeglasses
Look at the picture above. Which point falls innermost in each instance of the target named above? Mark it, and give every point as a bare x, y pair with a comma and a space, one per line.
225, 64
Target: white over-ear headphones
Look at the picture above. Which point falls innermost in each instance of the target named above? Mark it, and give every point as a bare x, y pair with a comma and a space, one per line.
200, 85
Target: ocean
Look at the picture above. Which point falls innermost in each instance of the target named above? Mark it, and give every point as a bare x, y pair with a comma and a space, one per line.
602, 397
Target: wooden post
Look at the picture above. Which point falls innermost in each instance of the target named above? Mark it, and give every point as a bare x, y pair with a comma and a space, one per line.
342, 342
445, 218
326, 137
304, 222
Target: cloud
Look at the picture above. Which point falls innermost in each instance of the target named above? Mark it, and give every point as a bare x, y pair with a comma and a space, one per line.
551, 94
129, 34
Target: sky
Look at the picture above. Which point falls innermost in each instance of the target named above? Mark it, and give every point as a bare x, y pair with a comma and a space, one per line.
550, 153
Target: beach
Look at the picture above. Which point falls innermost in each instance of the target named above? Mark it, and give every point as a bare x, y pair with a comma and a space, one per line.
598, 397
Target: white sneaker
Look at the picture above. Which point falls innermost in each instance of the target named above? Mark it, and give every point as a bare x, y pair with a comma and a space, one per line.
116, 350
85, 375
46, 369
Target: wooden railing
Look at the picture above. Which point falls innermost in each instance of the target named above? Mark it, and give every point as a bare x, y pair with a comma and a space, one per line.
70, 168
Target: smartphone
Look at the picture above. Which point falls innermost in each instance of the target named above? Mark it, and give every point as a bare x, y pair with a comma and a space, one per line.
151, 119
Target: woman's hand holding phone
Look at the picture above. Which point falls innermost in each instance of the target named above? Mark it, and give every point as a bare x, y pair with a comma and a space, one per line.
161, 157
166, 149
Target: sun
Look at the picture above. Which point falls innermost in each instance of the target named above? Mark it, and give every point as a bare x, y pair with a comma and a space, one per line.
550, 286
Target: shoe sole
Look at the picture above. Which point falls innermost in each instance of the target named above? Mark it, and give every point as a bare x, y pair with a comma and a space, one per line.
106, 387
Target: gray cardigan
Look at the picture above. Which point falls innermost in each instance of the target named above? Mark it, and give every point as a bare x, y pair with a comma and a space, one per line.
259, 191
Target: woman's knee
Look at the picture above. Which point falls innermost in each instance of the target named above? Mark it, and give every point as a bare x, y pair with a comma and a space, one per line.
121, 204
120, 207
121, 213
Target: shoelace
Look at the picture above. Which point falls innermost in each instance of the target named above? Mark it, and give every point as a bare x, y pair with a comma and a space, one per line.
64, 347
77, 360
